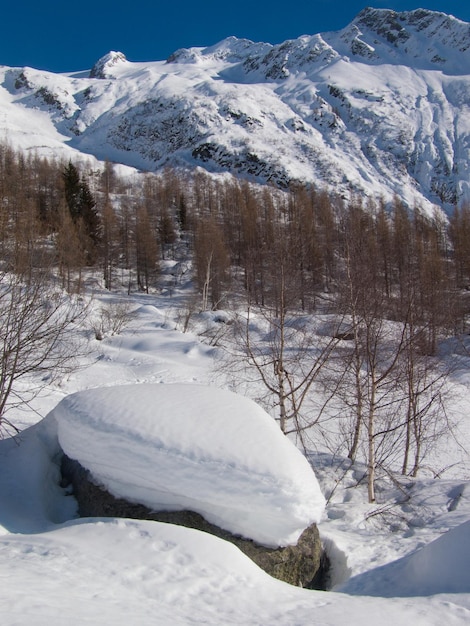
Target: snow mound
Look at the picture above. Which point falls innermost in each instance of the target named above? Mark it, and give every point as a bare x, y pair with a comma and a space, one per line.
121, 572
183, 446
439, 567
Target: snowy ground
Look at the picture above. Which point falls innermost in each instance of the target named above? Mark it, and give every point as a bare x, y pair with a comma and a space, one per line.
393, 563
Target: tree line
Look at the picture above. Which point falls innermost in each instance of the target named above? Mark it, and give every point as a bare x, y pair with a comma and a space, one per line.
243, 238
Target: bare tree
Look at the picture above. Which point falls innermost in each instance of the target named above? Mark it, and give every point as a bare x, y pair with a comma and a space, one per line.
424, 388
70, 254
146, 248
39, 339
212, 263
386, 382
288, 356
109, 247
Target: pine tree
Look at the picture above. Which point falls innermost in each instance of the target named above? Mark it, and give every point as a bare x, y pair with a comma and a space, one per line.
82, 207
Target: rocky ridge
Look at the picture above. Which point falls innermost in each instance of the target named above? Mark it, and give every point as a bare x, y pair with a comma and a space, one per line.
379, 108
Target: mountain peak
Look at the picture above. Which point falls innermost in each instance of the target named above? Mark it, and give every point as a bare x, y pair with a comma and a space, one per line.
101, 69
383, 22
229, 50
421, 38
378, 108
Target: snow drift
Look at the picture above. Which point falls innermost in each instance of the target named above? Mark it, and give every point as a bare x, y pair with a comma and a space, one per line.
439, 567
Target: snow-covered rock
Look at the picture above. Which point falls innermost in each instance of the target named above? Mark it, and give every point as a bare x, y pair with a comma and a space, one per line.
103, 67
191, 447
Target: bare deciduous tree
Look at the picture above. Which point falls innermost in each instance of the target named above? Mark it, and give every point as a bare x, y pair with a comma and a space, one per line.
212, 263
38, 332
290, 355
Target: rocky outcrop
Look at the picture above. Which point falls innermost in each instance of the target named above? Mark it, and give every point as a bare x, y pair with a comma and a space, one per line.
102, 68
302, 565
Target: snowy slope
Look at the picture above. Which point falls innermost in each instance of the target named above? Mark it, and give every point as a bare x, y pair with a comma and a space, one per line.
122, 572
381, 107
416, 573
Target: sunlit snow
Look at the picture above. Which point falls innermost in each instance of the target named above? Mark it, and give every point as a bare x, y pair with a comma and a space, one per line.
174, 447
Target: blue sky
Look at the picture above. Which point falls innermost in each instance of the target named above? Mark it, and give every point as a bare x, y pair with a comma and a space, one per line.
69, 36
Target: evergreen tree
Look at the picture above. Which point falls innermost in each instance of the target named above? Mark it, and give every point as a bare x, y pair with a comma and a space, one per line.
72, 188
81, 204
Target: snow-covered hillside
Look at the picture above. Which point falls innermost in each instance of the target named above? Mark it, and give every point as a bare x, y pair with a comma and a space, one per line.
380, 107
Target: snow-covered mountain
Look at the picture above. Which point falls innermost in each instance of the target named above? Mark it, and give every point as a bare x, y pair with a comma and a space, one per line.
381, 107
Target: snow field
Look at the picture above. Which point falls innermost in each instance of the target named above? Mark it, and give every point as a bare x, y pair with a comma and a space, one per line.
56, 569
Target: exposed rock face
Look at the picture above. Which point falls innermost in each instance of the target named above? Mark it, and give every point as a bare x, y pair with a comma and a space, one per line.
101, 69
301, 565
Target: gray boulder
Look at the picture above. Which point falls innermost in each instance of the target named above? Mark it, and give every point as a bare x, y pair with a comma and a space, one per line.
303, 565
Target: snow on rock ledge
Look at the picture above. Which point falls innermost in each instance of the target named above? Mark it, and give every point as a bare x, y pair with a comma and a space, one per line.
190, 447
